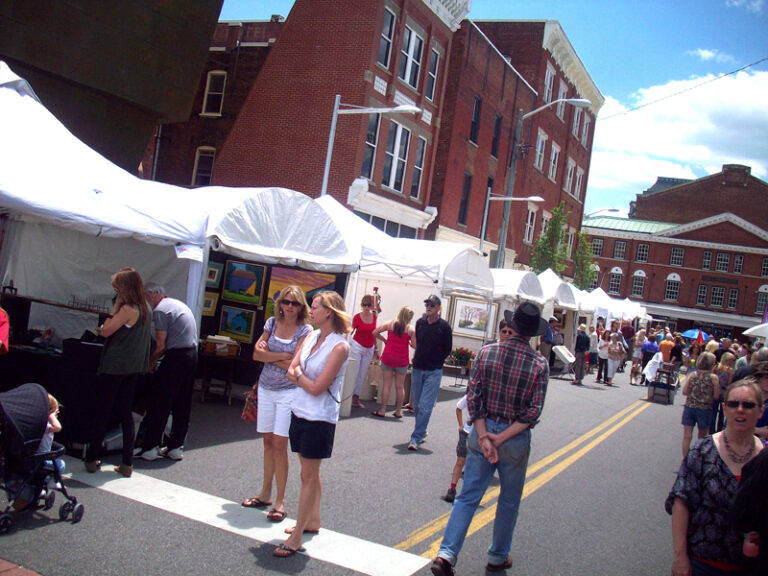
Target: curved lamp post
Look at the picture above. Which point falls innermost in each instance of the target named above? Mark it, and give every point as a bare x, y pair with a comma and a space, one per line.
490, 198
352, 109
578, 103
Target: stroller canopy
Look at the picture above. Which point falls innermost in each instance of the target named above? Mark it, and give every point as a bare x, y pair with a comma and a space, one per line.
24, 416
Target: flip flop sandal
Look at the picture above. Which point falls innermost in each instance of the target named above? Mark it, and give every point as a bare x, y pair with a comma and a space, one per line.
255, 503
284, 551
379, 414
277, 516
292, 529
396, 415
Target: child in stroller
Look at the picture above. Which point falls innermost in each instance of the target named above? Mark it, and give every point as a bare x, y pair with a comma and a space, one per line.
29, 474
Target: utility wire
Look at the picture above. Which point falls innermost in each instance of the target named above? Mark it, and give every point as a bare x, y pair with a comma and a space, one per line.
720, 77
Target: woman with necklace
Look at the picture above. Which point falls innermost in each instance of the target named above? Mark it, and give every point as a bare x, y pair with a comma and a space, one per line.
704, 541
362, 347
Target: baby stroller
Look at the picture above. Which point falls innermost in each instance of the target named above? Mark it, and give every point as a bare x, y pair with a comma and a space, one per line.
28, 476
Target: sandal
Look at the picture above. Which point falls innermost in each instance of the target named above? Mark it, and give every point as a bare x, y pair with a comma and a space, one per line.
277, 516
396, 415
255, 502
379, 414
284, 551
292, 529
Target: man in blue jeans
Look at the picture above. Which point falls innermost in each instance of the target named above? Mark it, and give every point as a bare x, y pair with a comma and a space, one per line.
505, 399
434, 339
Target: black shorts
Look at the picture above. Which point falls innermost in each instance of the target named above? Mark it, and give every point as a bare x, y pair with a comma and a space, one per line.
310, 438
461, 447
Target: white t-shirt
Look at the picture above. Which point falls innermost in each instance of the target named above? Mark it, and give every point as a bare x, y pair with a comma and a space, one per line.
462, 405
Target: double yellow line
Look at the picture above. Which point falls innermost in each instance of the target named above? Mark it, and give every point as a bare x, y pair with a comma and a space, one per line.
485, 515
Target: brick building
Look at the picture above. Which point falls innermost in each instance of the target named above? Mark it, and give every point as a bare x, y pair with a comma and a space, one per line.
694, 252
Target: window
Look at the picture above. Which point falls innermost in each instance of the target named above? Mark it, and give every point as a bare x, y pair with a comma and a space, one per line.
475, 126
722, 262
738, 264
395, 156
545, 218
717, 297
642, 253
488, 190
371, 136
418, 167
733, 298
585, 129
562, 94
597, 246
569, 175
619, 249
462, 219
549, 81
569, 248
410, 62
676, 258
530, 224
579, 182
762, 301
385, 42
213, 102
541, 144
496, 136
434, 60
701, 295
638, 285
201, 176
576, 122
671, 290
389, 226
764, 268
706, 260
614, 283
554, 156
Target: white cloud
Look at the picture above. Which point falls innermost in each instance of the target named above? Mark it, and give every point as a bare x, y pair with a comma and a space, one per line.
688, 135
755, 6
710, 55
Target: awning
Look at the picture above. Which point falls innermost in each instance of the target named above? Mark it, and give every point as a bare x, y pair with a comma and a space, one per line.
701, 315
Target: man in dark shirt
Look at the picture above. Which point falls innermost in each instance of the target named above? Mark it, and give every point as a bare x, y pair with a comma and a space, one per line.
628, 332
505, 398
434, 339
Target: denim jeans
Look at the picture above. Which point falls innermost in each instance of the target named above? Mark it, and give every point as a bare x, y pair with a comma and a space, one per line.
512, 464
425, 384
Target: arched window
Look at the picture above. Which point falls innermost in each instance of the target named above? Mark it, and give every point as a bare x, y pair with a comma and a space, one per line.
614, 280
638, 284
672, 288
762, 299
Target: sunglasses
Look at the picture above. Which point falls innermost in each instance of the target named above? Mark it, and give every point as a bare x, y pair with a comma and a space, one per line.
746, 405
292, 303
430, 305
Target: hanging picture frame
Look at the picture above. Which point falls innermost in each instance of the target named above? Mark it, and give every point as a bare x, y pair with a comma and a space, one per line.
237, 323
473, 318
243, 282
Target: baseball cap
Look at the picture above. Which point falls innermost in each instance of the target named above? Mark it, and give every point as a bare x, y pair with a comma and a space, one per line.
434, 300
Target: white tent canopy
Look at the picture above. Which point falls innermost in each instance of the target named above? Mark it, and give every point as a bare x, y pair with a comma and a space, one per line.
556, 290
520, 285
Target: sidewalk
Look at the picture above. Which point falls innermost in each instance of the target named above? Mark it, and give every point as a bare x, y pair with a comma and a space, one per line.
9, 569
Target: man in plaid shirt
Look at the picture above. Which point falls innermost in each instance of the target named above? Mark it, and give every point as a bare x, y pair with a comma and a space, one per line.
505, 399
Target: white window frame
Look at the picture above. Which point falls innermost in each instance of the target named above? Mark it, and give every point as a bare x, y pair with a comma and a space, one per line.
549, 82
597, 242
671, 290
397, 157
207, 151
562, 94
418, 167
762, 300
677, 256
643, 248
733, 299
614, 282
370, 146
554, 159
434, 64
717, 297
638, 286
541, 147
579, 183
585, 129
410, 62
530, 226
701, 295
545, 218
706, 260
474, 125
576, 122
738, 264
619, 249
569, 176
213, 94
722, 262
764, 267
387, 40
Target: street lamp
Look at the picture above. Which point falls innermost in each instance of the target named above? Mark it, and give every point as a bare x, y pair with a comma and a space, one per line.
352, 109
578, 103
491, 198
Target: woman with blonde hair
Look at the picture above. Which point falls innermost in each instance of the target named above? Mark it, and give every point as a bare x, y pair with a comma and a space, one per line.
317, 369
701, 389
362, 347
282, 335
724, 372
395, 359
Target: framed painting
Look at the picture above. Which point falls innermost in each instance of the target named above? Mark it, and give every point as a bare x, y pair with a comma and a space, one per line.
473, 318
237, 323
213, 278
210, 299
243, 282
309, 282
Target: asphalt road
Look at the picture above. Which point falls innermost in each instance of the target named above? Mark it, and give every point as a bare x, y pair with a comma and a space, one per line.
602, 463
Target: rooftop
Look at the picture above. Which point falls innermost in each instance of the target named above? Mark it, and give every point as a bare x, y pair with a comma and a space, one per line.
627, 224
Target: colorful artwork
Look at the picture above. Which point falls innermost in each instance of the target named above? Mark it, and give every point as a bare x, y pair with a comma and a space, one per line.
210, 299
237, 323
243, 282
310, 283
213, 278
474, 318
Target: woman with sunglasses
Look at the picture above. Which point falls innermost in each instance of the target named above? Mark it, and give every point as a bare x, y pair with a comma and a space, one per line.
283, 335
362, 347
704, 540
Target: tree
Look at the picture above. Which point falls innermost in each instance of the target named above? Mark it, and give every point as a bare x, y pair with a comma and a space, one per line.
584, 272
549, 249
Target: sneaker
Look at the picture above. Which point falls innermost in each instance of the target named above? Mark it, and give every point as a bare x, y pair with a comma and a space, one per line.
151, 454
413, 446
441, 567
450, 496
175, 454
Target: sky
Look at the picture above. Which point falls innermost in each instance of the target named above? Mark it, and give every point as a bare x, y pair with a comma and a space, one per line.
685, 83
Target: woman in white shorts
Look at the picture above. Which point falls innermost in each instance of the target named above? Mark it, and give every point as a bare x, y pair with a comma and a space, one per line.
283, 334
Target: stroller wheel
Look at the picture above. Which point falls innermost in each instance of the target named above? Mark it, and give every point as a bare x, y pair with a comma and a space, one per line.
65, 510
6, 522
77, 513
50, 498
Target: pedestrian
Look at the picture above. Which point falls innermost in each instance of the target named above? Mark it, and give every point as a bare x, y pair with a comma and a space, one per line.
5, 328
628, 332
362, 347
434, 339
749, 513
615, 356
581, 349
702, 388
124, 358
602, 356
395, 359
724, 372
317, 369
548, 339
174, 380
592, 349
283, 334
505, 398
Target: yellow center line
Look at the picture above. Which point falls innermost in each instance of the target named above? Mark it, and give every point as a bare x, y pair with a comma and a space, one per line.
487, 515
439, 523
